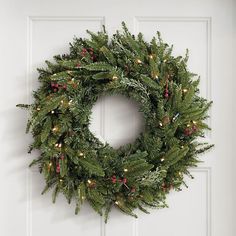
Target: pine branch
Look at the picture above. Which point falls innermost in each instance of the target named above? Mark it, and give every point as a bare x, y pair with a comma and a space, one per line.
92, 166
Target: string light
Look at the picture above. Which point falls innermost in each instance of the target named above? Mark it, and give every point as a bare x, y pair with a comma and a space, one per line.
125, 170
91, 183
49, 165
138, 61
38, 109
114, 77
162, 159
52, 112
56, 145
194, 122
151, 56
185, 90
59, 145
55, 129
116, 202
62, 101
81, 154
160, 124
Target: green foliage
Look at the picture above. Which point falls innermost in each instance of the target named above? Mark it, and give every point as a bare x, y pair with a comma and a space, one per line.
109, 55
136, 176
92, 166
98, 66
46, 129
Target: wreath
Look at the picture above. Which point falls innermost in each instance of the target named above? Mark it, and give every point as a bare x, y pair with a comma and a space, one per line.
138, 175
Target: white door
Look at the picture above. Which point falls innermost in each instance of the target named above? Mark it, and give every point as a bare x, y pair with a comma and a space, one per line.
32, 31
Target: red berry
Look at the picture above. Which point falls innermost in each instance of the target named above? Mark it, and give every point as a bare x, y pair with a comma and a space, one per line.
113, 179
78, 65
194, 128
133, 190
187, 131
58, 169
55, 90
124, 180
64, 86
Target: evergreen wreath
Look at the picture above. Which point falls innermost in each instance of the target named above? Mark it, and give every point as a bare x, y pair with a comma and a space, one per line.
138, 175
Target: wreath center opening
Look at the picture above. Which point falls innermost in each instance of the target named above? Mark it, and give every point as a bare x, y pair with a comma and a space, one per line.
116, 120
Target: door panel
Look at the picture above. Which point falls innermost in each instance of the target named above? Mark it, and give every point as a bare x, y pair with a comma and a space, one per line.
34, 31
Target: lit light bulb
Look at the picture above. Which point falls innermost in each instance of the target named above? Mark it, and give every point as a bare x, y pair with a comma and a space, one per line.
125, 170
138, 61
162, 159
185, 90
55, 129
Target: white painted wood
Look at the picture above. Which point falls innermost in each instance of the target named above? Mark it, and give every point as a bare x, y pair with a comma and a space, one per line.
121, 120
33, 31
